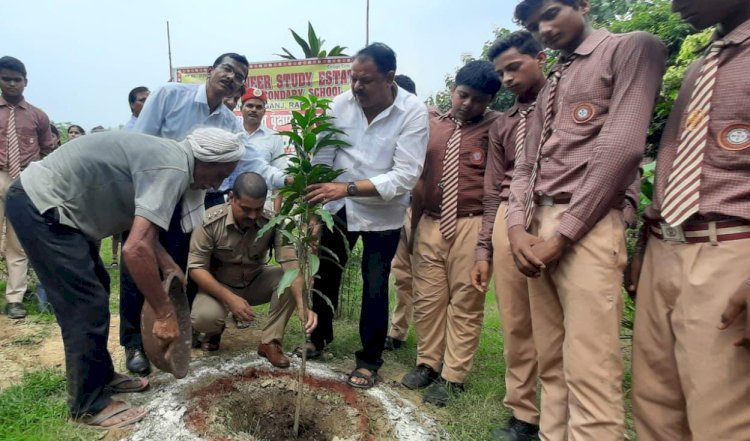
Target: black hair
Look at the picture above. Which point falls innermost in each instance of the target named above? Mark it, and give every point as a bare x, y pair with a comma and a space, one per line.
13, 64
249, 184
526, 7
98, 129
80, 129
133, 93
53, 129
381, 54
406, 83
479, 75
522, 41
236, 57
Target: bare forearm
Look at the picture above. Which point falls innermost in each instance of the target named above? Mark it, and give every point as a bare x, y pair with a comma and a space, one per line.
141, 260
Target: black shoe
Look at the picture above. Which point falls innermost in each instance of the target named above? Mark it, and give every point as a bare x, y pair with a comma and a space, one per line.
516, 430
441, 391
136, 361
392, 343
15, 310
419, 377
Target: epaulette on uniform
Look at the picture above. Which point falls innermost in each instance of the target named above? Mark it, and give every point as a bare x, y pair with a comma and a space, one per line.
215, 213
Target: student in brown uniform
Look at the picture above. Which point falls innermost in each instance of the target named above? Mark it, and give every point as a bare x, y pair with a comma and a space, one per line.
447, 214
519, 61
691, 364
565, 221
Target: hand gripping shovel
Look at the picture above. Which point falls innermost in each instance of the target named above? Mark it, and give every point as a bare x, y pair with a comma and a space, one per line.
174, 358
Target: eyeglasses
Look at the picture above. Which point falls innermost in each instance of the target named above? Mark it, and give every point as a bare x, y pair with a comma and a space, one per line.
239, 77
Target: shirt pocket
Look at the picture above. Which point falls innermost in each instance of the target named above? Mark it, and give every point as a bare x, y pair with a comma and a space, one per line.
582, 114
728, 145
383, 151
27, 137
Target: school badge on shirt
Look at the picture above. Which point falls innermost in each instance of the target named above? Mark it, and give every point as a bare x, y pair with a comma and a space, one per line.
476, 156
735, 137
583, 113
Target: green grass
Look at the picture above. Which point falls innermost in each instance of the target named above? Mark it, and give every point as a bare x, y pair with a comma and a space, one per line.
36, 410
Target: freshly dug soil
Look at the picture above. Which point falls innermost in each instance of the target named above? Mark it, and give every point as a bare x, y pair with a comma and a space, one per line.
260, 405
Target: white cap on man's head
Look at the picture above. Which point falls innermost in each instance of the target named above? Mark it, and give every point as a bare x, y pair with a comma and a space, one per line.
215, 145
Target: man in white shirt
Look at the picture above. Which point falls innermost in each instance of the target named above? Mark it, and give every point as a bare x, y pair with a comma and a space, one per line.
136, 99
388, 130
264, 139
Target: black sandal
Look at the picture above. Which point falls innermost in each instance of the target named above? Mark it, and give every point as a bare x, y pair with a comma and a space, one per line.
357, 374
310, 353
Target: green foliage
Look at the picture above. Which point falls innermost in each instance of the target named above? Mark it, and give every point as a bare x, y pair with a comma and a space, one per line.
312, 47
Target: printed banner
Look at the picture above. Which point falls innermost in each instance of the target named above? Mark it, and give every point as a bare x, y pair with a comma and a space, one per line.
324, 78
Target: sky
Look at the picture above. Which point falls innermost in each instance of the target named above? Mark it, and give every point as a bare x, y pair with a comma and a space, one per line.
84, 56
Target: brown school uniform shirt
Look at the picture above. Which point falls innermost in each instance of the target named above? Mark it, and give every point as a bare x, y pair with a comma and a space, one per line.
32, 128
724, 189
234, 257
601, 115
501, 159
427, 195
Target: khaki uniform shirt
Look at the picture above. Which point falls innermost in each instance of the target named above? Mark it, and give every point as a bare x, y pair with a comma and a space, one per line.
235, 257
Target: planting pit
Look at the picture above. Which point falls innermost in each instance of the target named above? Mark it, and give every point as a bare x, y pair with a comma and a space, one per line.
259, 404
245, 399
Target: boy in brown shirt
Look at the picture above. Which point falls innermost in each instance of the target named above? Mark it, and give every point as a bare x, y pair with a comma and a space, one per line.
565, 221
691, 364
446, 213
519, 60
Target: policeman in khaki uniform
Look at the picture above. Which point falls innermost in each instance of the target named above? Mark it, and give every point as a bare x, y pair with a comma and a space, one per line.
228, 263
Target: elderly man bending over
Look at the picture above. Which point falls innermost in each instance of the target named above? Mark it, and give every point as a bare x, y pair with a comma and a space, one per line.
97, 186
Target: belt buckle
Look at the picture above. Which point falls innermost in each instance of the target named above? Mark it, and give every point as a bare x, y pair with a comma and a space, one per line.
672, 234
545, 200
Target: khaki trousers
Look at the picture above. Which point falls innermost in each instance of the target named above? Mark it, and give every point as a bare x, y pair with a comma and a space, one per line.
448, 310
209, 315
401, 270
689, 381
576, 307
519, 352
15, 257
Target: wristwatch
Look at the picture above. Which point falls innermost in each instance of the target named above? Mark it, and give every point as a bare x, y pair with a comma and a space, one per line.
351, 189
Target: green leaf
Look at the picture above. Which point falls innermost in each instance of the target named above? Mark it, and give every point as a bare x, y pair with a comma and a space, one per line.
315, 43
326, 217
286, 280
302, 43
300, 119
326, 299
314, 264
288, 56
332, 256
270, 225
310, 141
295, 138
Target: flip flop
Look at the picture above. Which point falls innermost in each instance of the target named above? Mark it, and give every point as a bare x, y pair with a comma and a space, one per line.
123, 384
357, 374
95, 421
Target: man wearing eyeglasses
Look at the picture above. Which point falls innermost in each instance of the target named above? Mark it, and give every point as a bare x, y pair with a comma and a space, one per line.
174, 111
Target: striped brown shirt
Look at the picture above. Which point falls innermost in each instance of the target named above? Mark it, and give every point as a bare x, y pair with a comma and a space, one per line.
601, 115
501, 159
34, 134
427, 195
724, 189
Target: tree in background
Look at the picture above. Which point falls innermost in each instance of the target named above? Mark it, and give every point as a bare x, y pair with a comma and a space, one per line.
313, 47
653, 16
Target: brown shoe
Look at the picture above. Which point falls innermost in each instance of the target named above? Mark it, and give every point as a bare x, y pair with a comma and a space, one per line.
272, 351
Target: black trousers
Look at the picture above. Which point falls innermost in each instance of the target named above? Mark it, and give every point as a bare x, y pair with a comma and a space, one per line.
177, 245
378, 250
77, 284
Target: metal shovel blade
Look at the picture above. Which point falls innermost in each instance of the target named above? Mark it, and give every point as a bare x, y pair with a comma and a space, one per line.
175, 358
